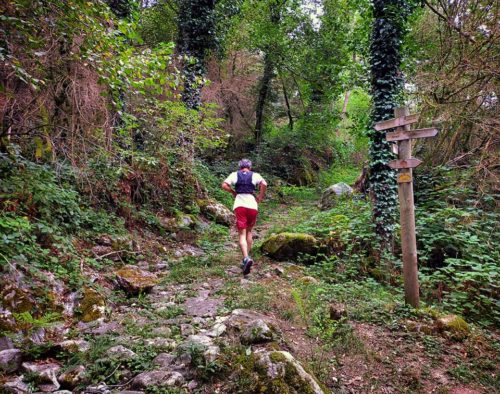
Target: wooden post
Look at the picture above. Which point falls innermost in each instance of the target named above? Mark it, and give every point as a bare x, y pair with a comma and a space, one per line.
407, 217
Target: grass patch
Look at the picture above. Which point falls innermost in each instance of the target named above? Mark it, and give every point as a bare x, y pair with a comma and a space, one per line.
191, 269
338, 173
257, 297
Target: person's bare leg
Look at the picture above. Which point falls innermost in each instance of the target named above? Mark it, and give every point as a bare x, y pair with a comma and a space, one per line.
249, 240
243, 242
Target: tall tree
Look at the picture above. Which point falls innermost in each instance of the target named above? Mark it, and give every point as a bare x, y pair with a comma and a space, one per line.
386, 83
196, 24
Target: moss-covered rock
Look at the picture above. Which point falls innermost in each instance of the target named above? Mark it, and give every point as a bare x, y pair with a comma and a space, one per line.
217, 211
331, 195
454, 325
72, 377
92, 305
286, 374
16, 299
135, 280
258, 331
288, 246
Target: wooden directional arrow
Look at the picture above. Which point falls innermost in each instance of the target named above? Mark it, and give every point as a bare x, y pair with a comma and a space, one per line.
396, 122
401, 163
401, 135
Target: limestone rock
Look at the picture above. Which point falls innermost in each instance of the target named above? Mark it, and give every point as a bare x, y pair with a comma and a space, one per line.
120, 352
258, 331
72, 377
162, 331
74, 345
46, 374
332, 194
164, 360
157, 378
134, 280
219, 212
6, 343
202, 306
201, 342
454, 325
187, 329
308, 280
92, 305
285, 246
217, 330
14, 297
10, 360
16, 386
240, 318
282, 366
130, 392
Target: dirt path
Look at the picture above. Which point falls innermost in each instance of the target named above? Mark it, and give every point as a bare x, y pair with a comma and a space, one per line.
188, 334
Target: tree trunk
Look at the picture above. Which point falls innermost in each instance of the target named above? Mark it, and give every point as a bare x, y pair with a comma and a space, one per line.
288, 108
196, 37
386, 83
343, 115
264, 88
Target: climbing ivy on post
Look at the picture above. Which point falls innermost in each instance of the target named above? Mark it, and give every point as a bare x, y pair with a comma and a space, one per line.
386, 83
196, 23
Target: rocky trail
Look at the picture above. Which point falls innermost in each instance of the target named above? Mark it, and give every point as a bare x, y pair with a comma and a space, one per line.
197, 325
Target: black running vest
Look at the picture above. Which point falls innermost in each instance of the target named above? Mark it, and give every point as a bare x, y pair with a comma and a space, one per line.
244, 183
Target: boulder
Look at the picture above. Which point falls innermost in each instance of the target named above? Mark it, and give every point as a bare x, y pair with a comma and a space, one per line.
258, 331
187, 329
286, 246
6, 343
217, 211
16, 386
134, 280
164, 360
288, 374
120, 352
74, 346
46, 374
240, 318
454, 325
92, 305
10, 360
332, 194
72, 377
158, 379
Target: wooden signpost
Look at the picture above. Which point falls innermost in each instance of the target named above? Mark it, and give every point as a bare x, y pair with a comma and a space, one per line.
403, 136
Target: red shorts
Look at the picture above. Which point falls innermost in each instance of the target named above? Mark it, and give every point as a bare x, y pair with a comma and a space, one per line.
245, 217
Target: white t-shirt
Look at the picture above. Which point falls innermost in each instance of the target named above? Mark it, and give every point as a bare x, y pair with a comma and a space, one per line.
244, 199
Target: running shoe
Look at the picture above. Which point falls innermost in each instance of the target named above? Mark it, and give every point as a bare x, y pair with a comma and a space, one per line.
247, 265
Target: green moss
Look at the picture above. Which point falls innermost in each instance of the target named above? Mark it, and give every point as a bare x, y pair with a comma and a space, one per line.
289, 245
292, 378
137, 277
455, 325
277, 357
92, 306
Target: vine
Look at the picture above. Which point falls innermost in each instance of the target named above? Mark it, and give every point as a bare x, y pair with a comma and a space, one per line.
386, 83
196, 25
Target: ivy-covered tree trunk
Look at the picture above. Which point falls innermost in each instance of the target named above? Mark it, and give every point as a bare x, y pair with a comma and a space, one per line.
264, 88
386, 83
196, 37
121, 8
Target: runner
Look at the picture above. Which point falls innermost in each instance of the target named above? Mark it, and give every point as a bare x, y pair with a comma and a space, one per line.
245, 207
